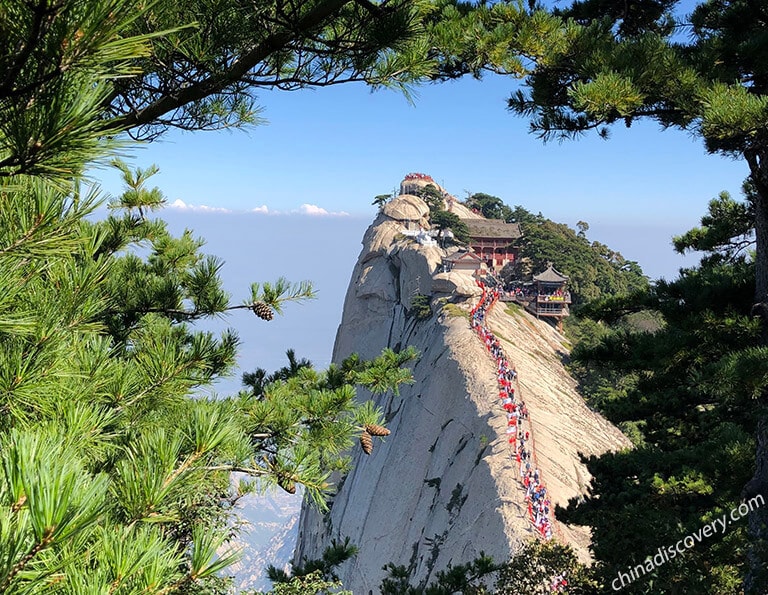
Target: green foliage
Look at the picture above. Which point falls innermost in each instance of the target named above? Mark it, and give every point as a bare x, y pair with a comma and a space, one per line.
601, 384
490, 207
73, 72
421, 306
681, 368
446, 220
281, 291
322, 569
593, 269
433, 197
727, 230
378, 375
454, 310
472, 38
303, 426
310, 584
56, 64
468, 579
112, 475
259, 379
532, 569
381, 199
529, 571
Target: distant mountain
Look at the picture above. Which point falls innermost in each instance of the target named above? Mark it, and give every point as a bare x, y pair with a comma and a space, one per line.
268, 536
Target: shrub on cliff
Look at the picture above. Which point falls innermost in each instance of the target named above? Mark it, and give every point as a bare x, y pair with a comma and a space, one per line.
446, 220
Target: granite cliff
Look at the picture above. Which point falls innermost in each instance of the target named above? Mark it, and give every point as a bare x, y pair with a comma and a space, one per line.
443, 486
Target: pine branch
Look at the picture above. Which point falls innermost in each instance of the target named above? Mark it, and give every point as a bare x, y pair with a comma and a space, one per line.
21, 564
44, 14
216, 82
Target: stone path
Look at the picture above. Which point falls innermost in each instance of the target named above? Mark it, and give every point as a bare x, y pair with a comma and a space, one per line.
519, 430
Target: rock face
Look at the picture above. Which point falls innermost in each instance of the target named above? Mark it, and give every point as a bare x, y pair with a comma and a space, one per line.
406, 207
444, 486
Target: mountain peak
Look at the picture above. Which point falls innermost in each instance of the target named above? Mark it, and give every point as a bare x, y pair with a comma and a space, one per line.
445, 485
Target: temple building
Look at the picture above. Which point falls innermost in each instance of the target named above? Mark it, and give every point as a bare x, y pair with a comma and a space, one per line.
463, 261
492, 240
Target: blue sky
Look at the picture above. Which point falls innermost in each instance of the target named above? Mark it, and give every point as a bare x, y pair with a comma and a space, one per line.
294, 196
338, 147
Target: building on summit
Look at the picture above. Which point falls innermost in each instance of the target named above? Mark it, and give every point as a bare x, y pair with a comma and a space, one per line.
493, 241
414, 182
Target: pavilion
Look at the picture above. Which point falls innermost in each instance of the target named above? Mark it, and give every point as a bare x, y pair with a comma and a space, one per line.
552, 298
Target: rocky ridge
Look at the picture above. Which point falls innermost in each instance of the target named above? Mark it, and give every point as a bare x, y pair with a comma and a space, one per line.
444, 486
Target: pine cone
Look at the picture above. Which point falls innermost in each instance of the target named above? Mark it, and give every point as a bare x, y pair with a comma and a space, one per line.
262, 310
366, 442
375, 430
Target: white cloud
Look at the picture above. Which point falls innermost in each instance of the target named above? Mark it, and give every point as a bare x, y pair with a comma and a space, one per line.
307, 209
182, 206
315, 211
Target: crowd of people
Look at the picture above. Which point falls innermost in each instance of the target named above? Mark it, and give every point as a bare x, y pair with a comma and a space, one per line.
419, 176
518, 425
556, 295
521, 293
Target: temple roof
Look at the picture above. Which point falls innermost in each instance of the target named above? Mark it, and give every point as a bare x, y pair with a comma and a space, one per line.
493, 228
551, 275
456, 256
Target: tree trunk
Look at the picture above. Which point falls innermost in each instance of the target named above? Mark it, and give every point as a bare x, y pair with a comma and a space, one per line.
761, 236
756, 579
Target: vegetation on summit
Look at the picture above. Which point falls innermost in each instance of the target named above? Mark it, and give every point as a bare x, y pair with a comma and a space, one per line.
593, 269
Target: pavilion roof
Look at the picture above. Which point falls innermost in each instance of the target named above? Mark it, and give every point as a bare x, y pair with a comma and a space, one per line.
493, 228
551, 275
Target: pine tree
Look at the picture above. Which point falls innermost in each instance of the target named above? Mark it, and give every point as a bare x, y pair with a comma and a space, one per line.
107, 461
112, 477
78, 73
685, 392
616, 64
490, 207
